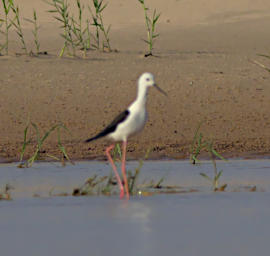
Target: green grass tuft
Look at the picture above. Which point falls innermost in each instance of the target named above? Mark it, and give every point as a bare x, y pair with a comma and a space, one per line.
150, 27
98, 23
16, 22
39, 144
7, 5
36, 27
199, 145
75, 34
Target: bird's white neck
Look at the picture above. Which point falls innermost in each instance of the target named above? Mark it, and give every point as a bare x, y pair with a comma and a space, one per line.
142, 95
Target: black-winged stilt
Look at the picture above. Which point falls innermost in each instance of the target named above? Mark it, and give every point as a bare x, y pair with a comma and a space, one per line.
129, 122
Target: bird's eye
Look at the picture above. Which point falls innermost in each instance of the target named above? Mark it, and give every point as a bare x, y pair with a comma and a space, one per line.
147, 79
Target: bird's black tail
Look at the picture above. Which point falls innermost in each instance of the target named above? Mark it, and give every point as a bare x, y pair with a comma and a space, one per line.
98, 136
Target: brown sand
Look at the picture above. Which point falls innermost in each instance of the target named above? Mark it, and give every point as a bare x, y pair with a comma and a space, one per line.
204, 61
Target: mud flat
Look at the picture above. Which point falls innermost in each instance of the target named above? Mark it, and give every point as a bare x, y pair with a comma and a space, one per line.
204, 60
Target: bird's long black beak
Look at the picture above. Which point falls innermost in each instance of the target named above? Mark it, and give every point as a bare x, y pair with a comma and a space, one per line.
160, 90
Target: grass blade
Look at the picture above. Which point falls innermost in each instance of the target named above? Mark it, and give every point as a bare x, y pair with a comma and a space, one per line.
206, 176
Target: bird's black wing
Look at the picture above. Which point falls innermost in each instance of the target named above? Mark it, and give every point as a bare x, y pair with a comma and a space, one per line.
112, 126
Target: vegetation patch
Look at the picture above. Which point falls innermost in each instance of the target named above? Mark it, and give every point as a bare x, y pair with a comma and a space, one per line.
200, 144
39, 144
150, 24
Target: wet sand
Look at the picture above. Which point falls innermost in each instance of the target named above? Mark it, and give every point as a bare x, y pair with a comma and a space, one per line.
204, 61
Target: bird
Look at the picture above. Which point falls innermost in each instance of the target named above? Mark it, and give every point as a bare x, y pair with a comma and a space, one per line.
129, 122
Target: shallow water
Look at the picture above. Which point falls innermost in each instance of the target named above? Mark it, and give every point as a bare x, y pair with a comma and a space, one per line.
44, 179
202, 223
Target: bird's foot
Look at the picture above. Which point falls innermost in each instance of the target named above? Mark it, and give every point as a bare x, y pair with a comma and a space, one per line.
122, 193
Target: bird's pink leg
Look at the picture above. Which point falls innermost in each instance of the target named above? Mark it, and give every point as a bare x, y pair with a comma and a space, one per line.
124, 150
108, 149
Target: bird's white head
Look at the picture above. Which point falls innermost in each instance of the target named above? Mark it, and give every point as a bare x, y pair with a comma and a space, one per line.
147, 80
